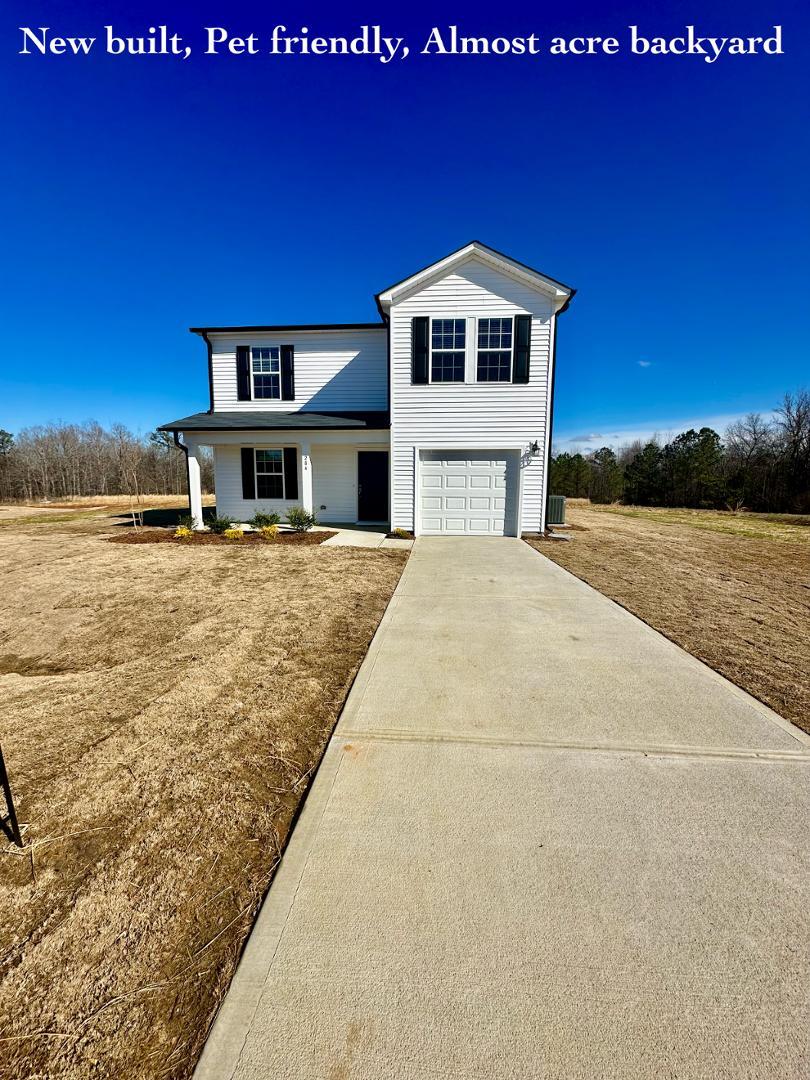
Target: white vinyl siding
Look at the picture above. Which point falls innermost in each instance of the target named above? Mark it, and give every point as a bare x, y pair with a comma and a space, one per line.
470, 415
334, 471
334, 370
228, 486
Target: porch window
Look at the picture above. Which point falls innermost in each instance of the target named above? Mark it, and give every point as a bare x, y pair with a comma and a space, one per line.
265, 364
494, 350
447, 350
269, 474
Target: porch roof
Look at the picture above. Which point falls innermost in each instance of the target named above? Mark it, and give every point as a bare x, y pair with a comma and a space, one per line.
279, 421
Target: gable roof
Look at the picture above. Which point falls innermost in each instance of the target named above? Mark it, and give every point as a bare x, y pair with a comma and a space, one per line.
560, 292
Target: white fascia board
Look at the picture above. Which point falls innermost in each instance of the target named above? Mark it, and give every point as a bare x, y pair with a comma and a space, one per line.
502, 263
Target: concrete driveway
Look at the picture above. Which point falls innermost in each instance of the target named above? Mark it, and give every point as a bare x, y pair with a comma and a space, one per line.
543, 842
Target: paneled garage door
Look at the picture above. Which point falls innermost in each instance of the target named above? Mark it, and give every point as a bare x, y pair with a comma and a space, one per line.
468, 492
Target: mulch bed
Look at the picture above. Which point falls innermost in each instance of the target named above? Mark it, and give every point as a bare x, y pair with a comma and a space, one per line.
164, 536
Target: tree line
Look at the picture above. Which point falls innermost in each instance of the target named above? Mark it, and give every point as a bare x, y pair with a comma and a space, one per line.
57, 461
760, 464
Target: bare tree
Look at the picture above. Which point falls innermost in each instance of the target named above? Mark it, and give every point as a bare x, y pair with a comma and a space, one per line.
57, 461
793, 422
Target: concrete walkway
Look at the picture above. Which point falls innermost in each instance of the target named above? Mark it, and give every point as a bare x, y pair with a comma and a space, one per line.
544, 842
356, 536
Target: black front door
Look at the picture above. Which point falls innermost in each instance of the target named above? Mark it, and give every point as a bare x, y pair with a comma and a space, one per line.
372, 485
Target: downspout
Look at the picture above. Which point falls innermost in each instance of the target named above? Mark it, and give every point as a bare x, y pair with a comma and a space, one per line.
210, 349
182, 446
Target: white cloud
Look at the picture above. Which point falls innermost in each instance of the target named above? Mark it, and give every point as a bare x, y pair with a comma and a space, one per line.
644, 363
664, 429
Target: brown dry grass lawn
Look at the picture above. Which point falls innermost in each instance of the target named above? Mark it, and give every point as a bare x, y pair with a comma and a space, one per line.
733, 590
86, 506
163, 708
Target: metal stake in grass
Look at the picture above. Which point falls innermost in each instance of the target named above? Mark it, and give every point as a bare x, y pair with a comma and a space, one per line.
11, 818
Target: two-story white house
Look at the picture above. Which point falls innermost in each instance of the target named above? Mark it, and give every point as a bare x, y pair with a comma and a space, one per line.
436, 419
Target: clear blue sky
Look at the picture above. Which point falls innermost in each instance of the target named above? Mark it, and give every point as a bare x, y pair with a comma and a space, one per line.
143, 195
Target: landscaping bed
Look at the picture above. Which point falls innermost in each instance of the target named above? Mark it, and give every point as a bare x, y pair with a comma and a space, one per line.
205, 539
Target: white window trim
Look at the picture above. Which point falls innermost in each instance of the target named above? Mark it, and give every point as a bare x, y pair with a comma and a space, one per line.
257, 474
253, 374
478, 349
463, 352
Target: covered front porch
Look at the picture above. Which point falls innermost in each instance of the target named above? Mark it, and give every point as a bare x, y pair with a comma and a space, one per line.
335, 466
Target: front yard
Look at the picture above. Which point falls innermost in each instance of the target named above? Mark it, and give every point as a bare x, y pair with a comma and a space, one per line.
163, 709
732, 589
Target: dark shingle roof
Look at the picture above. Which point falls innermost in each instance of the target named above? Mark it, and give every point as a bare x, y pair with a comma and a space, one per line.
277, 421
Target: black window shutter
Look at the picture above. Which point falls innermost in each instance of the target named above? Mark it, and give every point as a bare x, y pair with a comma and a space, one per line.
290, 472
419, 349
243, 373
287, 372
523, 340
248, 473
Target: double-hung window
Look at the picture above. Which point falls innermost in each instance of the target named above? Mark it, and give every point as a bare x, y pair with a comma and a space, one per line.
269, 474
494, 350
448, 343
265, 363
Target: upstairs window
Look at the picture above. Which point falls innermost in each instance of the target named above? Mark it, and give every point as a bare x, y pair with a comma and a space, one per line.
494, 350
265, 364
448, 341
269, 474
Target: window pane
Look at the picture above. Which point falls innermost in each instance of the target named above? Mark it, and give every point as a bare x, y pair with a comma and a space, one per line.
265, 352
266, 365
269, 470
269, 486
494, 366
448, 341
448, 333
269, 461
494, 333
447, 367
266, 386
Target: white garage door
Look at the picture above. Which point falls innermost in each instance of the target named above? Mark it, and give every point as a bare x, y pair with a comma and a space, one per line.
468, 492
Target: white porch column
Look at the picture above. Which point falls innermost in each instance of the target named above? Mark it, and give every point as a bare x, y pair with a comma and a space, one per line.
306, 477
194, 486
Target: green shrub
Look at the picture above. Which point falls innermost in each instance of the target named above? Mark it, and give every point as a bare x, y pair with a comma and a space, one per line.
220, 523
300, 520
260, 520
185, 521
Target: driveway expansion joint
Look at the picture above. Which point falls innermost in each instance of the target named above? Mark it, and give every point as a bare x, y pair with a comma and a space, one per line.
730, 753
